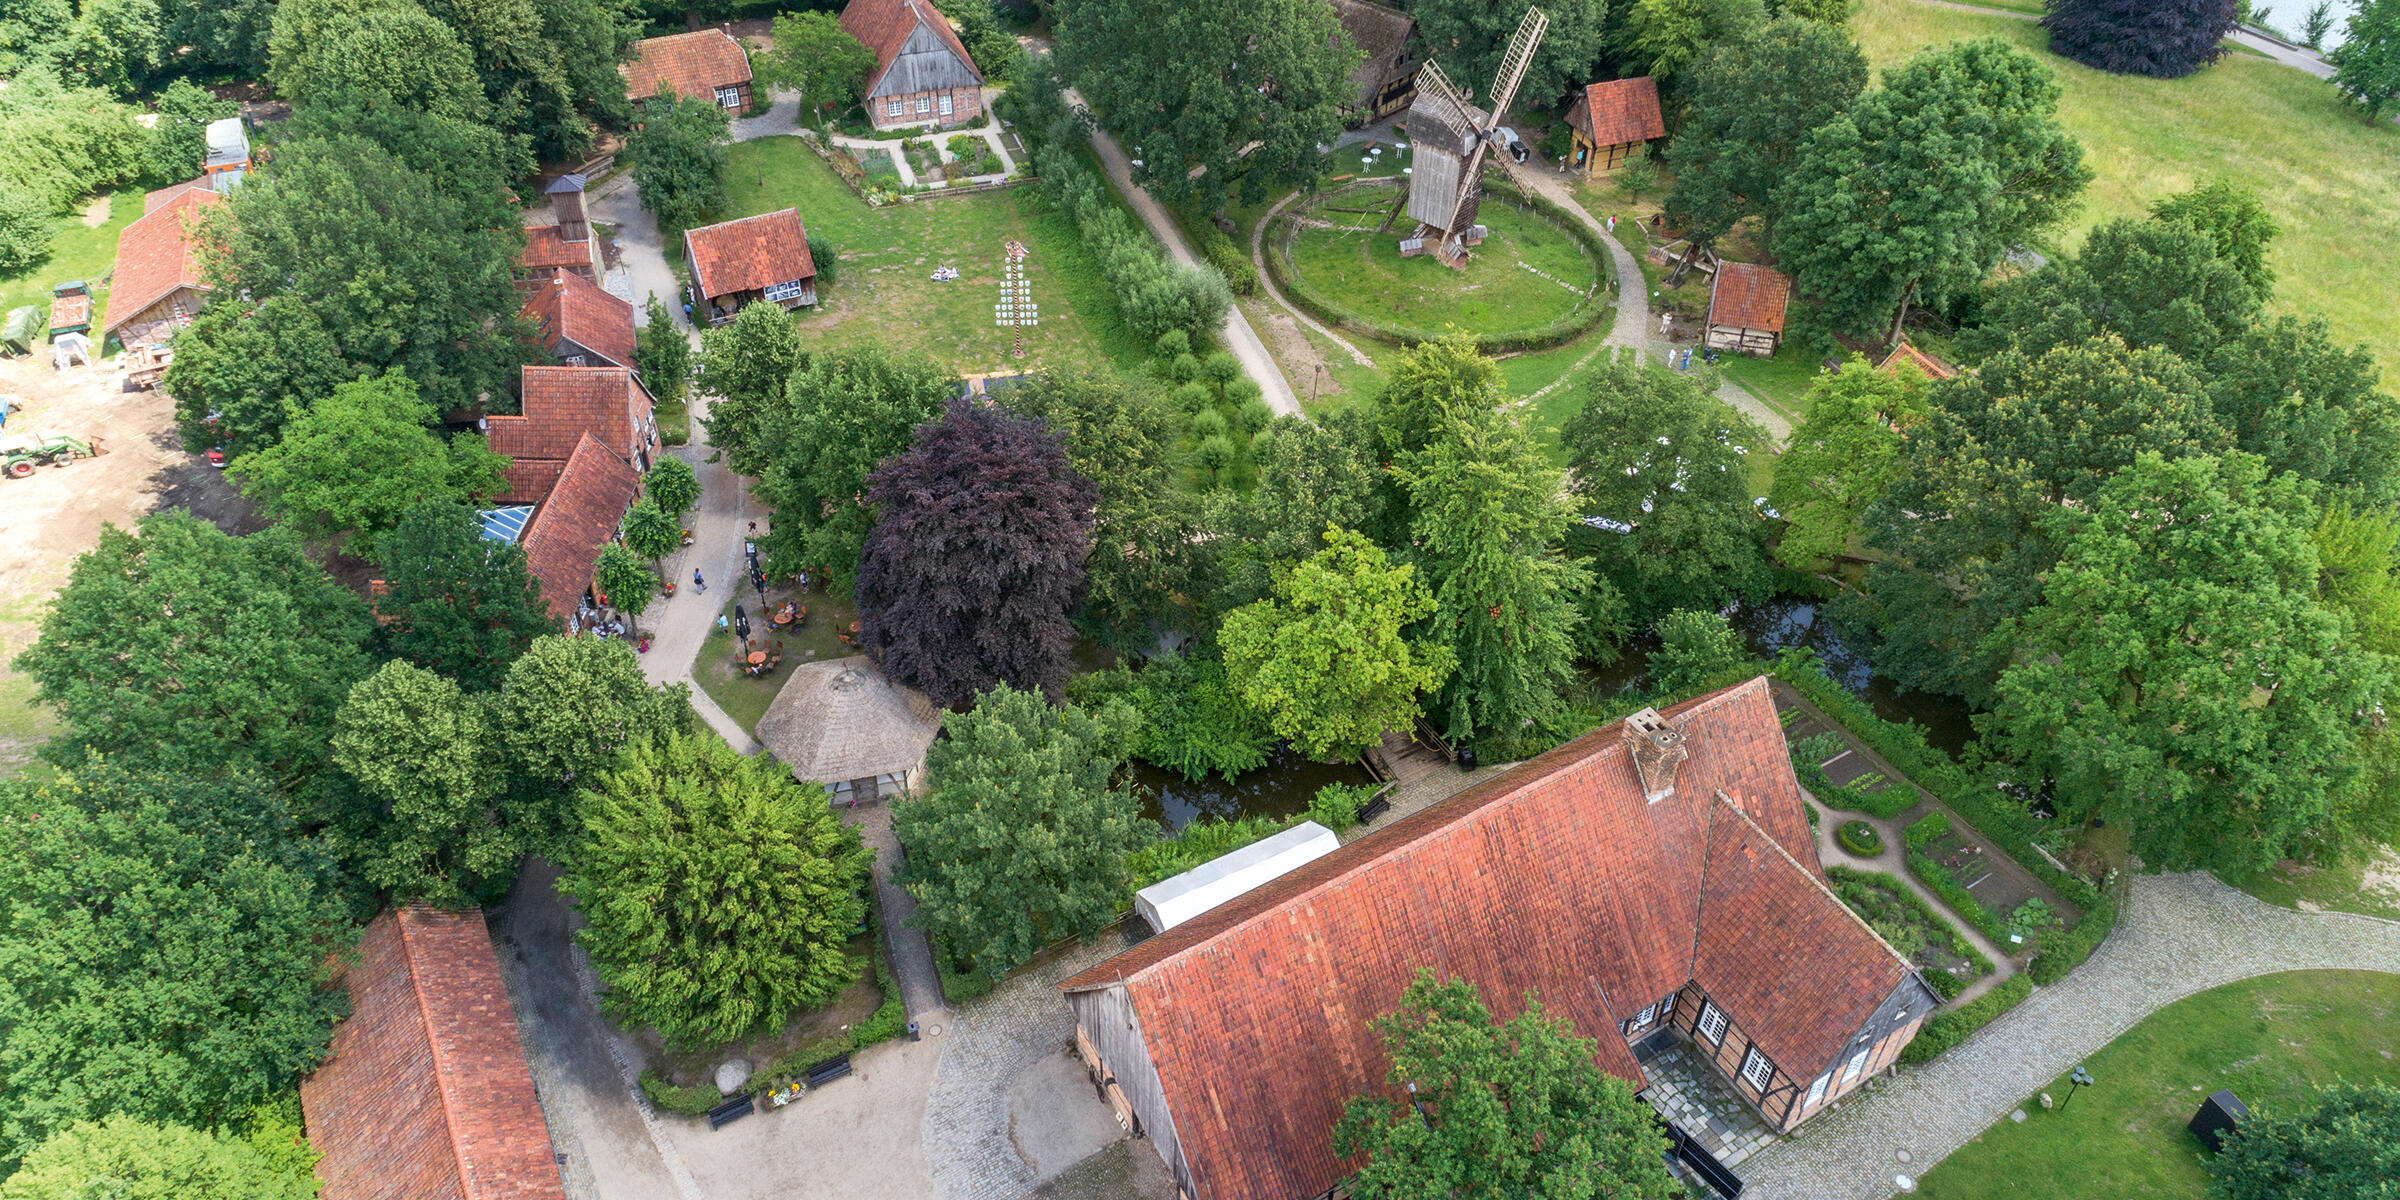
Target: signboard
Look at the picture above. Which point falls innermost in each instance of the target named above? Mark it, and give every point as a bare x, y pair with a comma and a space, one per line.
780, 292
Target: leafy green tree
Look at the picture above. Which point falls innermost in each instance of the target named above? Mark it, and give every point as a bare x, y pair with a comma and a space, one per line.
1435, 378
1123, 438
163, 952
1653, 449
2150, 283
60, 143
1311, 474
1843, 456
746, 363
422, 818
475, 166
1324, 658
2234, 221
1747, 104
1489, 507
1960, 529
662, 356
672, 486
571, 706
372, 53
179, 142
25, 228
1663, 37
2288, 394
125, 1159
179, 647
2358, 553
541, 63
2347, 1145
817, 58
678, 156
2316, 24
35, 34
1243, 90
118, 44
994, 50
1468, 37
2179, 636
1021, 836
1191, 721
1830, 12
222, 33
628, 581
812, 447
360, 458
684, 845
650, 532
455, 602
241, 371
2163, 39
1922, 186
1497, 1109
2366, 66
1694, 646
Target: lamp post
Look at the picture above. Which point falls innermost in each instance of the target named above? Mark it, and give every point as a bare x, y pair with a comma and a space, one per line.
2077, 1080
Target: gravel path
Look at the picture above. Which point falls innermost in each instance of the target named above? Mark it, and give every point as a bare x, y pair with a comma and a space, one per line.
1258, 258
2179, 934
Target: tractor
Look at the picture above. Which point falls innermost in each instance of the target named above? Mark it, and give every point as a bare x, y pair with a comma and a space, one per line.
20, 455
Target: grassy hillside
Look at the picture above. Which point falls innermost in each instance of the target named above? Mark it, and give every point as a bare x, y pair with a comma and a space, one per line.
2331, 179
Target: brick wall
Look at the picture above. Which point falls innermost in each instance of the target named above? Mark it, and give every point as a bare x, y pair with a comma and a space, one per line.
966, 108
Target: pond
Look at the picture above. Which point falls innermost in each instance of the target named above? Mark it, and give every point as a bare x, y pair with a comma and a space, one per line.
1791, 621
1282, 787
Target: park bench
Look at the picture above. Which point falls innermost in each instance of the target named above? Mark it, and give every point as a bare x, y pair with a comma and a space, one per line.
826, 1072
731, 1111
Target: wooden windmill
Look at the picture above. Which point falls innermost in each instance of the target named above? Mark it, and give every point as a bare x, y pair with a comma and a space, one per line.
1445, 186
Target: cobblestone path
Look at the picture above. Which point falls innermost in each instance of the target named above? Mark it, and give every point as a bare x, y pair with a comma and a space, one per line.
2180, 934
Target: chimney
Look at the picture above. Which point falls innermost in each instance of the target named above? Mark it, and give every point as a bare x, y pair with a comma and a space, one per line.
1658, 752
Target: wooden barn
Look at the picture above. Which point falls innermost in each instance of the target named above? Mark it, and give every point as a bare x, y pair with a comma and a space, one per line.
1608, 120
734, 263
923, 74
1745, 309
1386, 81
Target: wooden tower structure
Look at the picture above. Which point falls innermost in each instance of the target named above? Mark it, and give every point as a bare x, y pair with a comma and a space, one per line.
1445, 186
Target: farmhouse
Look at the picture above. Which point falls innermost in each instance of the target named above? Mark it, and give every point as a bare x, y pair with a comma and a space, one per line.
424, 1092
157, 284
922, 75
575, 458
582, 326
1655, 882
1387, 81
754, 258
706, 63
1606, 121
1745, 308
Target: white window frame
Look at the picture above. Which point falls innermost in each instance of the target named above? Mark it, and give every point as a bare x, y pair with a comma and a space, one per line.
893, 107
1816, 1091
1752, 1072
1858, 1062
1713, 1022
945, 104
729, 97
1666, 1007
1642, 1019
924, 104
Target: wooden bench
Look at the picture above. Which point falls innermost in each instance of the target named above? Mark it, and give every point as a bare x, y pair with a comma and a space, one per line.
731, 1111
826, 1072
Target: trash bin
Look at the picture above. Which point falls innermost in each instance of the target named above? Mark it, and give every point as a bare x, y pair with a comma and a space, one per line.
912, 1032
1466, 758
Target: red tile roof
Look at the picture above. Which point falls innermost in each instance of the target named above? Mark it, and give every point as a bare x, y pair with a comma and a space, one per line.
544, 250
1618, 111
1558, 877
530, 480
425, 1095
151, 200
694, 64
1904, 352
561, 404
885, 26
580, 516
574, 308
749, 254
155, 256
1748, 296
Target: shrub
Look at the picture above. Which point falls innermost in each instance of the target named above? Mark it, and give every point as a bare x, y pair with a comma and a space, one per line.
1252, 416
2062, 951
1183, 368
24, 230
1207, 423
1926, 830
1336, 805
1222, 253
1947, 1029
693, 1101
1960, 900
1193, 397
1244, 390
826, 256
1199, 842
1174, 344
1859, 838
964, 145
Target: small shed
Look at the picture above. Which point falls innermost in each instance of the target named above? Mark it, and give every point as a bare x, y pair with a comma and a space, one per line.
228, 154
844, 725
1745, 309
1607, 120
1179, 898
1903, 352
738, 262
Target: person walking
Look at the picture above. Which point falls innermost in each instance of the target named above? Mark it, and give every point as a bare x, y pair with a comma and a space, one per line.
698, 584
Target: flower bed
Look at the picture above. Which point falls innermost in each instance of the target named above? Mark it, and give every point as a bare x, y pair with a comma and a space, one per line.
1948, 961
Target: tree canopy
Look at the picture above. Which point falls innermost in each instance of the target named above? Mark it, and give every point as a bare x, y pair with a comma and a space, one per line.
163, 952
1694, 647
454, 601
125, 1159
1497, 1109
1747, 105
746, 363
1311, 474
2149, 283
679, 156
422, 816
977, 557
2366, 66
183, 648
813, 440
1020, 837
1324, 658
661, 354
719, 892
570, 707
2164, 39
1467, 37
1843, 456
2347, 1145
817, 58
2234, 221
358, 459
1661, 38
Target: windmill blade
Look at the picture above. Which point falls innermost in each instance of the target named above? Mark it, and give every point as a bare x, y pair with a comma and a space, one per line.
1517, 61
1440, 99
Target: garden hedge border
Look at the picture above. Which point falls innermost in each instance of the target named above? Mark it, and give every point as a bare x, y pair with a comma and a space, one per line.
1578, 321
2058, 953
1850, 797
1950, 986
1867, 846
1946, 1029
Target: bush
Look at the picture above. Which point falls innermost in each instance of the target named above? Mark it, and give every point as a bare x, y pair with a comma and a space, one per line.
1859, 838
24, 230
1199, 842
1960, 900
964, 145
826, 256
1336, 805
693, 1101
2059, 952
1173, 344
1926, 830
1948, 1029
1222, 253
1207, 423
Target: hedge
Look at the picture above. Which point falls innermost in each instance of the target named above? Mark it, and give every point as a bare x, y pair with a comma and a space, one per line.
693, 1101
1849, 797
1859, 838
1947, 1029
889, 1017
1963, 902
1240, 273
2062, 952
1926, 830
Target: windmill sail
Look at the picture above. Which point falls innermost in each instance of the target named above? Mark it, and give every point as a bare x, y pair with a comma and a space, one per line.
1452, 136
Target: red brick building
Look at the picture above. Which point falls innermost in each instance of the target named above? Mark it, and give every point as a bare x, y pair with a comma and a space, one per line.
923, 74
157, 284
424, 1094
576, 453
1656, 879
582, 326
706, 63
1607, 120
733, 263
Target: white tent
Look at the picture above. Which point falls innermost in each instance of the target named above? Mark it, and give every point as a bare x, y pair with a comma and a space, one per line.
1174, 900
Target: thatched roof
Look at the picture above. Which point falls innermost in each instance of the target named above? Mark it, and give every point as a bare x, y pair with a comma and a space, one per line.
843, 720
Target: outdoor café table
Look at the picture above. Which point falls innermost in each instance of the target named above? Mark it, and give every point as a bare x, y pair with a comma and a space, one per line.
757, 657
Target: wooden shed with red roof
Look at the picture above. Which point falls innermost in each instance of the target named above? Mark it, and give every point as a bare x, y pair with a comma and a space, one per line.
582, 325
157, 285
1653, 882
1607, 120
923, 74
706, 63
1905, 353
1745, 309
424, 1094
733, 263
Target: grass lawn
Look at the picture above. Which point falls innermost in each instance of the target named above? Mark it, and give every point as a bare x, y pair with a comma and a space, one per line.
2369, 884
1364, 273
2269, 1039
1782, 381
77, 251
2331, 179
745, 697
884, 295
